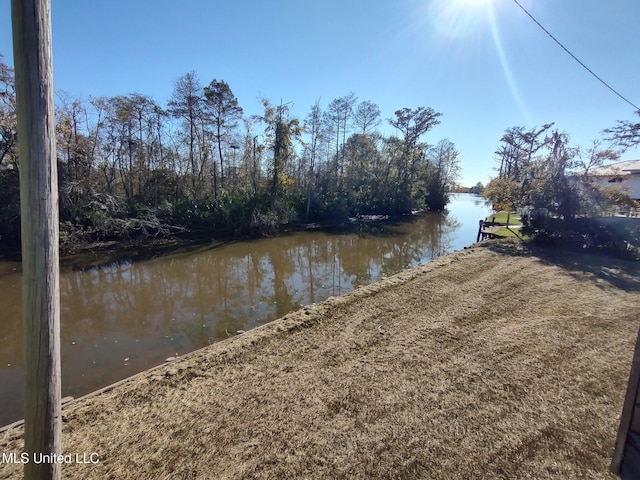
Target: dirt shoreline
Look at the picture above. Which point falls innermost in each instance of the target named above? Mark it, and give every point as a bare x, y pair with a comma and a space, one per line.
499, 361
98, 253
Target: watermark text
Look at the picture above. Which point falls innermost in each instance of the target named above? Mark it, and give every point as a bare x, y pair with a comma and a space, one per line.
24, 458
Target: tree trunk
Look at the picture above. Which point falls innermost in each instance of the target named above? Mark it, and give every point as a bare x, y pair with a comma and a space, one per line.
219, 141
31, 21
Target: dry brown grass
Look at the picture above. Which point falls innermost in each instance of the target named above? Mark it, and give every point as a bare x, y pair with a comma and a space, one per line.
489, 363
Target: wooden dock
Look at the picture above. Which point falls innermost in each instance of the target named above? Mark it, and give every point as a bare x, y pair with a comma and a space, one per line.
486, 230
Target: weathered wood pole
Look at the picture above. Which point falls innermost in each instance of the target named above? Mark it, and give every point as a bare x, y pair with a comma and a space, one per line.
626, 455
480, 225
31, 22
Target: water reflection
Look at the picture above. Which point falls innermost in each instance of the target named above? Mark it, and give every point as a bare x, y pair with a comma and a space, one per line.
123, 318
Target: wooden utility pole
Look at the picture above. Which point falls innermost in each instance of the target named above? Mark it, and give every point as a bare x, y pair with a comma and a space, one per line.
626, 456
31, 22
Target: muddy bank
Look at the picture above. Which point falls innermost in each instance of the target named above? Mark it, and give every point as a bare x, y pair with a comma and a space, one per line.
97, 253
494, 362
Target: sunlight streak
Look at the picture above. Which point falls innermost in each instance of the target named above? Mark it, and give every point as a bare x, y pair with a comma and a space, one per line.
513, 86
465, 24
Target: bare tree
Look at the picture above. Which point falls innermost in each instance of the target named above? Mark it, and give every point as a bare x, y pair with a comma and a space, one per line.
8, 121
412, 124
337, 118
445, 170
186, 104
251, 155
281, 130
517, 150
595, 156
366, 116
221, 106
314, 127
625, 134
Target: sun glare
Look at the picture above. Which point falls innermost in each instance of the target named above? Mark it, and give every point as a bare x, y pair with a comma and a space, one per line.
464, 22
472, 3
458, 18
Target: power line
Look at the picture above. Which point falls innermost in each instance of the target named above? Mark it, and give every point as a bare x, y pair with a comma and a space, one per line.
575, 58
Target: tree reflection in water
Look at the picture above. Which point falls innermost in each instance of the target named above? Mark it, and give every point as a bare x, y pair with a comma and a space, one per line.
126, 317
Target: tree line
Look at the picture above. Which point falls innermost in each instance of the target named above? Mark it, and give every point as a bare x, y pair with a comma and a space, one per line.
550, 182
128, 166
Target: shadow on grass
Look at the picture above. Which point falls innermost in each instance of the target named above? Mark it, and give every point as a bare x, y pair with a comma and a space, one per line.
508, 232
620, 273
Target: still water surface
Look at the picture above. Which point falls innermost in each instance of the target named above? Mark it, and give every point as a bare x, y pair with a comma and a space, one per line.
120, 319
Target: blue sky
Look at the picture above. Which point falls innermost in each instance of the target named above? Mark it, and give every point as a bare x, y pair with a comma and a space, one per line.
482, 63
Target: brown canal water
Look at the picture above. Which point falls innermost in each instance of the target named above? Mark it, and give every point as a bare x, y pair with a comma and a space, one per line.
123, 318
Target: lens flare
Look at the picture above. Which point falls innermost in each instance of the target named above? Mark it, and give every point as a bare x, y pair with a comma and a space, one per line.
458, 18
513, 86
464, 22
473, 3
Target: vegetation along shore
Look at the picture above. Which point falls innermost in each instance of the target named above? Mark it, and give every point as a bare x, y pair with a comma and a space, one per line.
133, 172
131, 169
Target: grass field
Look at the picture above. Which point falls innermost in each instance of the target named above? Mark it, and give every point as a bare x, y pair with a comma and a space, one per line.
501, 217
502, 361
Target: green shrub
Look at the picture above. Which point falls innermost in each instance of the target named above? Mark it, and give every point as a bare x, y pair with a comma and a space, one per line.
619, 236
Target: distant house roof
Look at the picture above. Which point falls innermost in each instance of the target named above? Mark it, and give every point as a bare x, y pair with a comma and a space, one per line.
621, 168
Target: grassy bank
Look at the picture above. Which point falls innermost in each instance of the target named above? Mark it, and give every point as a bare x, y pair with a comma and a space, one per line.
501, 218
496, 362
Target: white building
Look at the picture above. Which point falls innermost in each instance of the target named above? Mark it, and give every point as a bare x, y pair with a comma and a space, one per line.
622, 175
